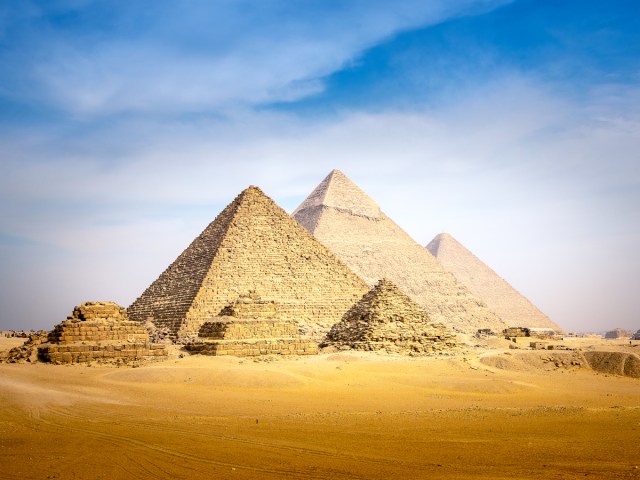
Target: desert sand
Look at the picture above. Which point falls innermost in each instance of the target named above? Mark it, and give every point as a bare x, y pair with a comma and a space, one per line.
481, 413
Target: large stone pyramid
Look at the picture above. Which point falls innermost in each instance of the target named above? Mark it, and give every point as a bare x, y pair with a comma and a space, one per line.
387, 319
352, 226
501, 297
252, 246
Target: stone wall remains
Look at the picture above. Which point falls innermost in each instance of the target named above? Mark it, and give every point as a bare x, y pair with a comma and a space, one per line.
254, 348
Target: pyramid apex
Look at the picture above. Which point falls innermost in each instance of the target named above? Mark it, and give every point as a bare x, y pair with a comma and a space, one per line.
253, 189
337, 191
434, 245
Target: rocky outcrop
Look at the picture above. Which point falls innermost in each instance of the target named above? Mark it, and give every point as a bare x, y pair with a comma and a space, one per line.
99, 331
386, 319
253, 245
352, 226
614, 363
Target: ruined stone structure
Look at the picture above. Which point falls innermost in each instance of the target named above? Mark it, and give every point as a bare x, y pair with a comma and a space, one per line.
351, 225
99, 331
251, 327
253, 245
636, 336
28, 351
387, 319
501, 297
512, 332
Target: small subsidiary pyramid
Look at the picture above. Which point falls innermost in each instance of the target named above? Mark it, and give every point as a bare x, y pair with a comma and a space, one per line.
252, 246
387, 319
351, 225
501, 297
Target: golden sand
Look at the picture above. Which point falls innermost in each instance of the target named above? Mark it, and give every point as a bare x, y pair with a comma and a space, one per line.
338, 416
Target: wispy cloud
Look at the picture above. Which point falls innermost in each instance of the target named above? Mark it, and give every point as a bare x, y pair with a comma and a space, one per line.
199, 56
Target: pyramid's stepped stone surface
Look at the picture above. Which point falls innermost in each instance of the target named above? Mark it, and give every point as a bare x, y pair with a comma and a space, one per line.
99, 331
501, 297
263, 334
242, 329
636, 336
387, 319
168, 299
374, 247
253, 245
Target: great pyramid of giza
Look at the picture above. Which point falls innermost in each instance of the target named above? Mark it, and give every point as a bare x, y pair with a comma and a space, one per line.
501, 297
351, 225
252, 246
387, 319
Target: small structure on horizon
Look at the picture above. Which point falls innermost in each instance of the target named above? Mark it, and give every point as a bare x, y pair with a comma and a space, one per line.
618, 333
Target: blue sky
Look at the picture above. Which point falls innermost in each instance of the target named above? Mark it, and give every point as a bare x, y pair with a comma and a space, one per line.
125, 129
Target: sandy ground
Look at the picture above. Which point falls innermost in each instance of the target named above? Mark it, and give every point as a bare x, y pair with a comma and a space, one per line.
338, 416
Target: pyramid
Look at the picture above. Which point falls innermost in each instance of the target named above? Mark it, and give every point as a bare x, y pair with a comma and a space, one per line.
351, 225
501, 297
252, 246
387, 319
251, 327
99, 331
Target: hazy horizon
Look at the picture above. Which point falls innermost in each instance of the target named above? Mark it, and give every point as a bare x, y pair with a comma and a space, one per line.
512, 125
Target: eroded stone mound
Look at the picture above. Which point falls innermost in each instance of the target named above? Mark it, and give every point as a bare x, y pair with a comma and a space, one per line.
99, 331
636, 336
535, 361
250, 327
387, 319
614, 363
